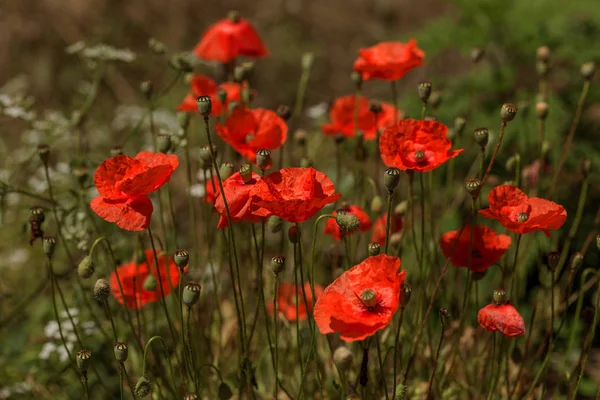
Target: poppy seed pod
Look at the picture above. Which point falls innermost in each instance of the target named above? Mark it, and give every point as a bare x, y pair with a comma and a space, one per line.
263, 159
86, 267
181, 258
542, 53
553, 259
206, 154
225, 392
277, 264
190, 396
116, 151
377, 204
459, 124
391, 178
191, 294
522, 217
343, 358
284, 112
163, 142
405, 293
83, 360
156, 46
49, 244
541, 110
481, 136
368, 298
121, 351
472, 185
101, 290
508, 112
274, 223
226, 170
146, 88
43, 151
374, 249
246, 172
588, 70
204, 104
143, 386
294, 234
586, 167
477, 54
500, 297
424, 90
347, 222
37, 213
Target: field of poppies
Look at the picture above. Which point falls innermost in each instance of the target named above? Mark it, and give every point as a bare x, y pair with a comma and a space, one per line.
418, 236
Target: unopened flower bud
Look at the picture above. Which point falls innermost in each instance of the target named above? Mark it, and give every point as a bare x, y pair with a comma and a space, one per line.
481, 136
83, 360
37, 213
101, 290
263, 159
206, 154
586, 167
343, 358
391, 178
307, 60
150, 283
284, 112
500, 297
86, 267
116, 151
588, 70
424, 90
436, 99
163, 142
472, 186
204, 104
459, 124
180, 63
541, 109
523, 107
405, 293
43, 151
143, 386
277, 264
156, 46
181, 258
191, 294
347, 223
508, 112
377, 204
274, 223
81, 173
306, 163
121, 351
477, 54
246, 172
49, 244
374, 249
553, 259
543, 53
401, 391
146, 89
226, 170
576, 260
183, 118
294, 234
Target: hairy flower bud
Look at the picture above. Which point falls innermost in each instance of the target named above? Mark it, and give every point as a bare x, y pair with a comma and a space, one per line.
274, 223
143, 386
459, 124
183, 118
101, 290
588, 70
150, 283
284, 112
191, 294
307, 60
146, 88
86, 267
576, 260
477, 54
541, 110
543, 53
343, 358
374, 249
436, 99
306, 163
116, 151
391, 178
43, 151
377, 204
401, 208
347, 223
156, 46
121, 351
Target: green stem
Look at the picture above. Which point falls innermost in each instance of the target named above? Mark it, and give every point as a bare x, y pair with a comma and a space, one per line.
377, 341
437, 354
388, 221
112, 322
276, 327
513, 272
396, 352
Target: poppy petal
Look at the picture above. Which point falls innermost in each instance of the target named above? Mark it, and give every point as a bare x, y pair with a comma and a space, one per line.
132, 214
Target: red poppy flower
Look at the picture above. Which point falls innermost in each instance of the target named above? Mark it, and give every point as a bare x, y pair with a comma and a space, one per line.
502, 318
333, 229
378, 235
295, 194
487, 247
522, 214
228, 39
204, 86
342, 116
133, 276
248, 131
416, 145
362, 300
388, 60
241, 201
212, 190
124, 182
286, 301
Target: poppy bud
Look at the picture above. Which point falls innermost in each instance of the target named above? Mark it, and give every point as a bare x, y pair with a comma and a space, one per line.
306, 163
150, 283
508, 112
277, 264
436, 99
401, 208
146, 89
374, 249
143, 386
343, 358
357, 79
401, 391
183, 118
191, 294
424, 90
477, 276
83, 360
541, 109
368, 298
246, 172
459, 124
586, 167
156, 46
512, 162
204, 104
180, 63
206, 154
226, 170
522, 217
116, 151
377, 204
576, 261
49, 244
477, 54
225, 392
274, 223
181, 258
516, 355
190, 396
294, 234
391, 178
101, 290
500, 297
348, 223
86, 267
543, 53
239, 73
405, 293
300, 137
37, 213
307, 61
284, 112
588, 70
444, 313
43, 151
542, 68
163, 142
481, 136
263, 159
121, 351
375, 107
472, 185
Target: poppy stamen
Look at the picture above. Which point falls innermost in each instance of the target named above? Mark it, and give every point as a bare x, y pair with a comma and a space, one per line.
369, 298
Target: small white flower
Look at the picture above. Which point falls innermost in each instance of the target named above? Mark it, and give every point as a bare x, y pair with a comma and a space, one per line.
51, 330
47, 350
62, 353
317, 111
197, 190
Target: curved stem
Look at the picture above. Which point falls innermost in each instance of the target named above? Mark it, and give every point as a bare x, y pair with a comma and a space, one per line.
396, 345
437, 355
377, 342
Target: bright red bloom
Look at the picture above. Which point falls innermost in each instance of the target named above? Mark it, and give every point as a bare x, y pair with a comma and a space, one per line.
342, 115
133, 276
388, 60
378, 235
502, 318
342, 309
248, 131
228, 39
487, 247
295, 194
333, 229
416, 145
522, 214
241, 201
211, 193
124, 182
286, 301
204, 86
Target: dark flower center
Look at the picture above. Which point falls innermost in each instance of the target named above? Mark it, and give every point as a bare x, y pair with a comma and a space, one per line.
522, 217
369, 298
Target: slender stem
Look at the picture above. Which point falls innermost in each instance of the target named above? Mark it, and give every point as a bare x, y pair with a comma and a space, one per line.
121, 389
422, 258
191, 202
112, 322
276, 327
311, 276
191, 359
394, 99
297, 302
514, 266
437, 354
377, 341
388, 221
396, 352
525, 351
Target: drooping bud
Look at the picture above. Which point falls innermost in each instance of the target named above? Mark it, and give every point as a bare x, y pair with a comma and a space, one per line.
204, 104
459, 124
121, 351
246, 172
391, 178
306, 163
375, 107
472, 186
553, 259
377, 204
405, 293
86, 267
143, 386
183, 118
83, 360
424, 90
150, 283
401, 208
300, 137
343, 358
263, 159
206, 154
541, 110
274, 223
586, 167
481, 136
368, 298
146, 88
588, 70
226, 170
576, 260
339, 138
347, 223
401, 391
374, 249
43, 151
307, 60
49, 245
181, 258
284, 112
180, 63
508, 112
477, 54
294, 234
191, 294
277, 264
512, 163
500, 297
101, 290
